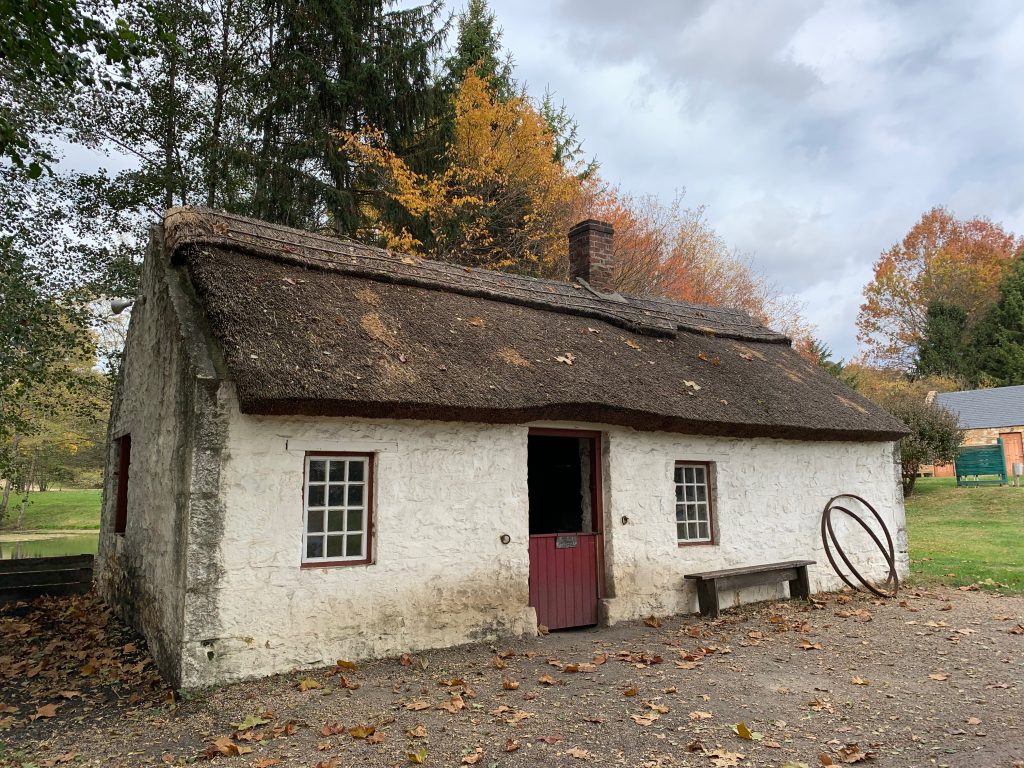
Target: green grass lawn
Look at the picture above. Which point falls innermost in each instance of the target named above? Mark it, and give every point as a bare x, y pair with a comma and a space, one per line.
51, 510
977, 534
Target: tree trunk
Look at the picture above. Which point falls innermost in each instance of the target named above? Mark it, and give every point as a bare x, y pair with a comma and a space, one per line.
28, 490
8, 482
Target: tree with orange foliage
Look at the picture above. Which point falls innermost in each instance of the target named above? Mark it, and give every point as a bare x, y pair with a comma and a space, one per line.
672, 251
942, 258
503, 201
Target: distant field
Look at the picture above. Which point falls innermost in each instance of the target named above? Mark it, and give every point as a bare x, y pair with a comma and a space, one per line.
49, 510
976, 534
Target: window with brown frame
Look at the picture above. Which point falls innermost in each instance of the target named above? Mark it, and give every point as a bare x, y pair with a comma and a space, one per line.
695, 522
337, 509
124, 461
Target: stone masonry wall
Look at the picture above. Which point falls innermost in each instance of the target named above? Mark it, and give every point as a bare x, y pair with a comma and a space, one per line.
444, 495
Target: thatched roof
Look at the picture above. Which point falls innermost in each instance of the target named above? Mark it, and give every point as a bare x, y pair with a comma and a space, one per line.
315, 325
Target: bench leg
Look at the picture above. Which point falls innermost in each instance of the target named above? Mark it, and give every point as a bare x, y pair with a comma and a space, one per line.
707, 598
800, 587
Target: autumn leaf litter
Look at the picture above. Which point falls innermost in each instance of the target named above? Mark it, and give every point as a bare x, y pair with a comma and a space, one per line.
933, 679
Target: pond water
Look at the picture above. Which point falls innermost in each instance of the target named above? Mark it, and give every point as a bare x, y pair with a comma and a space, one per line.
47, 544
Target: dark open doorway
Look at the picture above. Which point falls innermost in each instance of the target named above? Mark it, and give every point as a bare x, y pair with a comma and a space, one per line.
560, 484
565, 521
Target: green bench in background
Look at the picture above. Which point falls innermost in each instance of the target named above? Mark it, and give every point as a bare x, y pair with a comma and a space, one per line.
981, 465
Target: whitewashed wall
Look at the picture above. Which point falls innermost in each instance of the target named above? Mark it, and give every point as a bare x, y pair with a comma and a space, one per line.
769, 498
444, 495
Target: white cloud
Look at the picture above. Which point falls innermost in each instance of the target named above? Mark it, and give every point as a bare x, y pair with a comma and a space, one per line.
816, 132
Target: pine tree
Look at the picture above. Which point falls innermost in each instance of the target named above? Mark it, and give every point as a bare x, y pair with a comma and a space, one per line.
944, 349
999, 338
478, 48
339, 66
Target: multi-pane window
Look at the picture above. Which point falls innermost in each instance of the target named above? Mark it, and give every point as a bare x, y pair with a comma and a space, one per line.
337, 510
694, 523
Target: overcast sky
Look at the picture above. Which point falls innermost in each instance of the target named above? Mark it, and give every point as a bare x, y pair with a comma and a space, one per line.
816, 133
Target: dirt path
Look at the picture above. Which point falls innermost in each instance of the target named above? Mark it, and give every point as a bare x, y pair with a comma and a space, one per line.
933, 680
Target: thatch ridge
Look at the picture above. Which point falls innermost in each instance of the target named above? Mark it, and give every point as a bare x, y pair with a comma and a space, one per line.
186, 228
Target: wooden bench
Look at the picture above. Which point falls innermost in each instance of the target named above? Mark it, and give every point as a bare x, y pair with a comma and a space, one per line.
709, 582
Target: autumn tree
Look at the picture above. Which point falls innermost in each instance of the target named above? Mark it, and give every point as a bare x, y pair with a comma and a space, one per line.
942, 258
935, 435
672, 251
502, 200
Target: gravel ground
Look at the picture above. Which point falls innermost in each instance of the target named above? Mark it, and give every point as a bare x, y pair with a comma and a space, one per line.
932, 679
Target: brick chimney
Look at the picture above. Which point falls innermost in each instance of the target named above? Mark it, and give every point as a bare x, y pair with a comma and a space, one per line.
590, 254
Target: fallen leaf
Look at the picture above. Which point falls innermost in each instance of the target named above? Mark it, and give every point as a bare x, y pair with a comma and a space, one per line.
938, 676
511, 745
973, 721
266, 762
419, 732
250, 722
418, 757
349, 665
646, 719
701, 715
473, 757
859, 681
653, 621
308, 684
377, 737
807, 645
568, 358
361, 731
547, 680
851, 753
416, 706
578, 753
453, 705
499, 663
509, 685
47, 710
349, 684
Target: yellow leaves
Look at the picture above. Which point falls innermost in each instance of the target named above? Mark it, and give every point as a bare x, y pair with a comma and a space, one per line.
856, 680
361, 731
418, 757
308, 684
502, 200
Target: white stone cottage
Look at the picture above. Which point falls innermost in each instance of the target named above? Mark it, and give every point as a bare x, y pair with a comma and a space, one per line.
323, 450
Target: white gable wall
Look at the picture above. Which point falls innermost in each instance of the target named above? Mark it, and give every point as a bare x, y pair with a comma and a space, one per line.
444, 495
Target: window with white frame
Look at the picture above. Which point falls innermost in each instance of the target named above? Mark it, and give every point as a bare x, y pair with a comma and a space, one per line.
337, 509
694, 514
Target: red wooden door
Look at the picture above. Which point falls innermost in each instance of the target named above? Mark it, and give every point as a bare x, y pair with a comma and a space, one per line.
563, 579
1013, 450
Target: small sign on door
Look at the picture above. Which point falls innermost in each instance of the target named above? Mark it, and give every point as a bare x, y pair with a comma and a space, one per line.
565, 542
